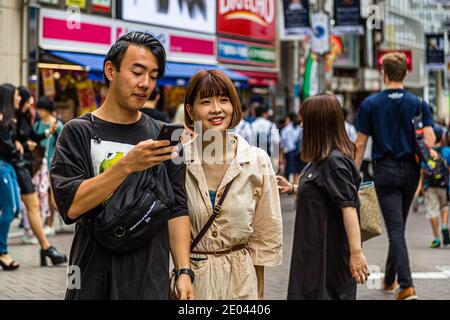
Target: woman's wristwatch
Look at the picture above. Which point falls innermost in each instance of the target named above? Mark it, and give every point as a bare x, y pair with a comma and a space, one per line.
189, 272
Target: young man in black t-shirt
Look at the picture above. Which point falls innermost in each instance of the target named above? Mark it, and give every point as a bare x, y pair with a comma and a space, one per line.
388, 118
95, 154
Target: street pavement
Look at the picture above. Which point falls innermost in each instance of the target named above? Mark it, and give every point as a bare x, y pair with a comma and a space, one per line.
431, 267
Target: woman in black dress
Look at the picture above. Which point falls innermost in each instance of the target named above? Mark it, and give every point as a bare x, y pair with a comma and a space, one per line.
327, 258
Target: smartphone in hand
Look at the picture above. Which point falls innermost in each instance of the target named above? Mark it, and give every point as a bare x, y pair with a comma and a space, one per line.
171, 132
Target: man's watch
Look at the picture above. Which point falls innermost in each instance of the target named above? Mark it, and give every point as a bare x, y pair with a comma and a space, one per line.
189, 272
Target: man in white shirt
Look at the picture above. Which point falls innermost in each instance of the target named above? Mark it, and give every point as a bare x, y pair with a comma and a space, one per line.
266, 135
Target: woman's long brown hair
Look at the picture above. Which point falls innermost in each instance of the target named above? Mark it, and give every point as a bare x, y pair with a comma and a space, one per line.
324, 129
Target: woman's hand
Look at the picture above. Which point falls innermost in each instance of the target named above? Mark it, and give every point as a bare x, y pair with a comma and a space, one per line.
284, 186
359, 267
19, 147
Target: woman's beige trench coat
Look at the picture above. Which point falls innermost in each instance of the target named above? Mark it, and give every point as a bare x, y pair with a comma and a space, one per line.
250, 214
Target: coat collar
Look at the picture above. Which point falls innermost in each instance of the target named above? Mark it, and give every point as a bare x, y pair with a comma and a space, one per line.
244, 152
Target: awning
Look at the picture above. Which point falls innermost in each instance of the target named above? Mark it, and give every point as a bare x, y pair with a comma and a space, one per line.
257, 78
177, 74
92, 62
180, 73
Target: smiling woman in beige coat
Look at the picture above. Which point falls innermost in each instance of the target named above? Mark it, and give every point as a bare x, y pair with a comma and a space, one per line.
247, 234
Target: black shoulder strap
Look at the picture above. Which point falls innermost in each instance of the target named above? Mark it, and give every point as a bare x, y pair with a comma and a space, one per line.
213, 216
420, 106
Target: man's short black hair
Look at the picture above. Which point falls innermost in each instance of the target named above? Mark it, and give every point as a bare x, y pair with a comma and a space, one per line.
140, 39
261, 110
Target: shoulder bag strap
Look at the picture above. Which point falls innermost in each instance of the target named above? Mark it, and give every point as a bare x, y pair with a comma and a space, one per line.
213, 216
420, 107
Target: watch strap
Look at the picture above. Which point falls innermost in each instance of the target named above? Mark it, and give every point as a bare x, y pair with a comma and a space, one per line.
189, 272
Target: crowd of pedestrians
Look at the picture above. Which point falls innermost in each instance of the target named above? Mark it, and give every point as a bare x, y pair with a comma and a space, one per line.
213, 202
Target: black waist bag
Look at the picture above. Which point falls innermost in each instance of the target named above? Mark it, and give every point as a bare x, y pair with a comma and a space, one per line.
137, 210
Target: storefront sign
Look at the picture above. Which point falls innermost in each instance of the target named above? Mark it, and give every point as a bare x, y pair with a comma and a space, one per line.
233, 51
101, 6
194, 15
53, 2
97, 34
407, 53
249, 19
181, 46
295, 19
77, 3
347, 17
435, 44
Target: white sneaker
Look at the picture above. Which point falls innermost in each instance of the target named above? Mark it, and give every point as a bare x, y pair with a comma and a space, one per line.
49, 231
29, 239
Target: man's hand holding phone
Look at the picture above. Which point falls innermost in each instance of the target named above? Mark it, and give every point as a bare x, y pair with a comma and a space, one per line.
148, 154
172, 132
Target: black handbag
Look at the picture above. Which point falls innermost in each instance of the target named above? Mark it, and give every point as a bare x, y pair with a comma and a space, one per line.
139, 208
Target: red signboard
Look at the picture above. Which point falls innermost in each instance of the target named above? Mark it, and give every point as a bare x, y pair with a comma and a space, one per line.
408, 54
254, 19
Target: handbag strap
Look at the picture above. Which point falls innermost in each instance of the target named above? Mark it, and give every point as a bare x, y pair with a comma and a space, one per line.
308, 165
213, 216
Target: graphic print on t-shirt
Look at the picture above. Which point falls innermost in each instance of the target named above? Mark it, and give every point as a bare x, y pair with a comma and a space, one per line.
107, 153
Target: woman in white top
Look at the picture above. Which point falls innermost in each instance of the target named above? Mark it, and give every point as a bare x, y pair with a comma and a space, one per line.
246, 235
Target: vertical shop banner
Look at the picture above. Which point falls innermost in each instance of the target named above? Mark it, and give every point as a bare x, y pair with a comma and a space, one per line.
247, 19
48, 83
103, 6
435, 44
77, 3
86, 96
347, 17
194, 15
296, 23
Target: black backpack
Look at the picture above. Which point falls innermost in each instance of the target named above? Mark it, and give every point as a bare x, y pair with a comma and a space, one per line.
435, 168
139, 208
436, 172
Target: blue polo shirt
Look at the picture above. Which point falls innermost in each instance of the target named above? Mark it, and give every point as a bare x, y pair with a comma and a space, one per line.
388, 118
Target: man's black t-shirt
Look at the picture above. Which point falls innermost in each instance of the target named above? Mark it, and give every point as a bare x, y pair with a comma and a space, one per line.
142, 274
